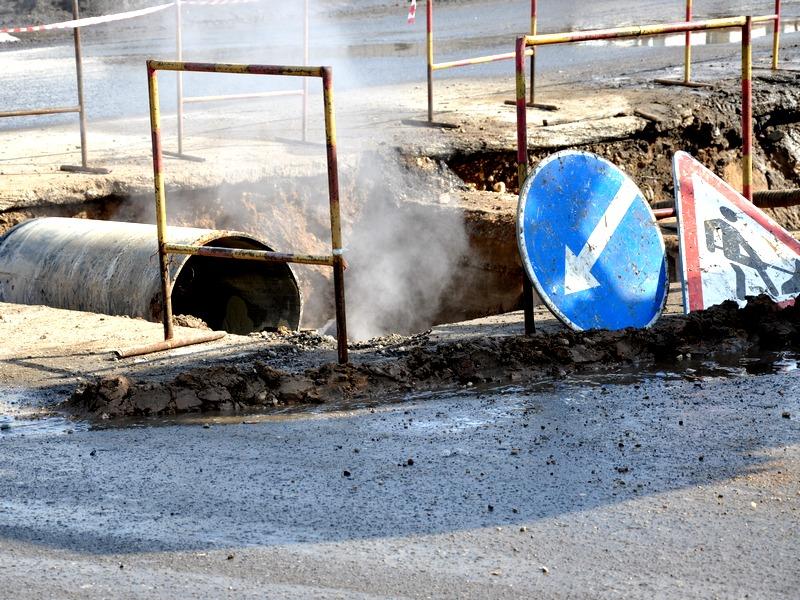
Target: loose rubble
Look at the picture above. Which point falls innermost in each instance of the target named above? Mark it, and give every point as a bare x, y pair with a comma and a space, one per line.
399, 365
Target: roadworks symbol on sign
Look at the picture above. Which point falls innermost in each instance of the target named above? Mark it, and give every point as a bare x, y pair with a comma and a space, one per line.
729, 249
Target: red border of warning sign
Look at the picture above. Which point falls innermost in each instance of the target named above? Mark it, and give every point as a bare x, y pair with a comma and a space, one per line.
684, 166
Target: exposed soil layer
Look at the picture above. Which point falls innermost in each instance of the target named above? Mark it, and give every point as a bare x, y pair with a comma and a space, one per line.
705, 123
418, 363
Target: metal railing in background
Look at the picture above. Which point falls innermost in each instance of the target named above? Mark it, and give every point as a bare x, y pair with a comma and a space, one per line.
80, 109
687, 48
183, 100
523, 43
432, 66
334, 260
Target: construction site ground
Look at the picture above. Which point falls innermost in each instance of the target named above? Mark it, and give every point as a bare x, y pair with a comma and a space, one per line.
466, 167
454, 456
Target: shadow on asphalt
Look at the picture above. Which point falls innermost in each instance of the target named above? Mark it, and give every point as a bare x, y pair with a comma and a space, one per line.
429, 465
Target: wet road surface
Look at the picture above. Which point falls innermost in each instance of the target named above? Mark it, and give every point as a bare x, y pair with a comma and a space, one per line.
609, 487
368, 44
663, 487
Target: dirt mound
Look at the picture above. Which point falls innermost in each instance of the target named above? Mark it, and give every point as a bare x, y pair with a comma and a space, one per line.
418, 363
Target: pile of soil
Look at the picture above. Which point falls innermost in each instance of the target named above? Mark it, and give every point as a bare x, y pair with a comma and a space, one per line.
420, 363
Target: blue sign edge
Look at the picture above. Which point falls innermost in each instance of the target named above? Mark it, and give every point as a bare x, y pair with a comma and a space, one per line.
523, 252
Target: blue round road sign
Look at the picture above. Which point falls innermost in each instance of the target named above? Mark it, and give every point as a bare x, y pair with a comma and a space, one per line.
590, 244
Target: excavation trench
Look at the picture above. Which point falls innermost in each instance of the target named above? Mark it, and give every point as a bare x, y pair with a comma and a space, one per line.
430, 239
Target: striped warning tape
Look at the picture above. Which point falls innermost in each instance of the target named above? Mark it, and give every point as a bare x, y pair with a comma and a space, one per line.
89, 20
215, 2
412, 12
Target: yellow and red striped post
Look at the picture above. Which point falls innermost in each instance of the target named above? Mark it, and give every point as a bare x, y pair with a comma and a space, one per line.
776, 35
687, 51
747, 110
534, 27
179, 74
336, 222
429, 42
522, 170
161, 200
306, 34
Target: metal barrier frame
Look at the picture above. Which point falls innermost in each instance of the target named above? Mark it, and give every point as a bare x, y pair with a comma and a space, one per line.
80, 108
182, 100
746, 25
334, 260
687, 48
776, 18
468, 61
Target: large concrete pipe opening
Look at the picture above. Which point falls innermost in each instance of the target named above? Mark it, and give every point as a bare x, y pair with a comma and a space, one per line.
112, 268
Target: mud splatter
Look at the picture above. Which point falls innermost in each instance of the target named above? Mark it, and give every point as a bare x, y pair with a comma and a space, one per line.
397, 365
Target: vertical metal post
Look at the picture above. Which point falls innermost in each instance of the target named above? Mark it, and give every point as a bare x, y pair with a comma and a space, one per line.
687, 51
776, 35
534, 25
522, 171
429, 39
79, 70
179, 74
747, 110
305, 64
161, 201
336, 221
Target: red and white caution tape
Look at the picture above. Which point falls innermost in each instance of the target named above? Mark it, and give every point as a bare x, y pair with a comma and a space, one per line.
89, 20
412, 12
215, 2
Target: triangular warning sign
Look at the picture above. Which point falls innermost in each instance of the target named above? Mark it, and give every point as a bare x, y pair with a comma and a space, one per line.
729, 249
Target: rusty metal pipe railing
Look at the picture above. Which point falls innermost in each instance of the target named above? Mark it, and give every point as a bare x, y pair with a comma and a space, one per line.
747, 109
687, 51
433, 67
762, 199
170, 344
534, 31
776, 35
35, 112
523, 43
79, 72
80, 109
336, 258
335, 213
777, 198
687, 59
245, 254
183, 100
244, 96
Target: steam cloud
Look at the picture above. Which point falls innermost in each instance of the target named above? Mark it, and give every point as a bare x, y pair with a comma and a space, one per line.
404, 241
404, 254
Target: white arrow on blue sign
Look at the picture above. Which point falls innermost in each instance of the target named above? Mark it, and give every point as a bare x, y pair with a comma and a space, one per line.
590, 244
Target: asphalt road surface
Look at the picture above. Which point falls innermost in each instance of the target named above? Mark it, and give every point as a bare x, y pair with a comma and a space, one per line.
656, 486
368, 43
612, 487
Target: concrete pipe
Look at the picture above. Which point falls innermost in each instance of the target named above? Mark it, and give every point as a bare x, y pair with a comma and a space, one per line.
112, 268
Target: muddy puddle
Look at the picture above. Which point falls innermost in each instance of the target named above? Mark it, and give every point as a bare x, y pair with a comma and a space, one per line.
19, 417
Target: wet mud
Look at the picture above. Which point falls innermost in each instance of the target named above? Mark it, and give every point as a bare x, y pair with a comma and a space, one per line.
398, 365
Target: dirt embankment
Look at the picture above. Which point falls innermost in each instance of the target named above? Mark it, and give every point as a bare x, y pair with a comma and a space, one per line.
402, 364
706, 123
